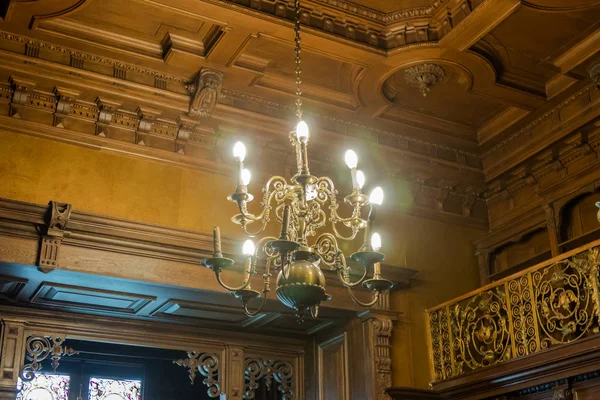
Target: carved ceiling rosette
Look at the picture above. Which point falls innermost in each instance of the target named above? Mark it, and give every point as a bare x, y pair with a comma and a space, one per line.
424, 76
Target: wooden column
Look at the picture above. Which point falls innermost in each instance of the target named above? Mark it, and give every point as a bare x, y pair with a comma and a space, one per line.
11, 357
553, 226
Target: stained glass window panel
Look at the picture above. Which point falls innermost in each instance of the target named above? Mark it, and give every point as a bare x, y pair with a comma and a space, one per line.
115, 389
44, 387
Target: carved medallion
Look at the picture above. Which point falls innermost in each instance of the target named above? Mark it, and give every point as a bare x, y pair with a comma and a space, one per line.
423, 76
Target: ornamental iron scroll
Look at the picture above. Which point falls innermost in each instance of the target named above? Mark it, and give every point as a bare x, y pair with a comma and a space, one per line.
40, 348
208, 366
541, 307
279, 373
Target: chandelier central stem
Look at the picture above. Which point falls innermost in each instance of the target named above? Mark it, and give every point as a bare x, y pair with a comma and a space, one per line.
298, 60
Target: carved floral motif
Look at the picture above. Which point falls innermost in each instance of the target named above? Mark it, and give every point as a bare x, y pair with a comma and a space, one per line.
208, 366
40, 348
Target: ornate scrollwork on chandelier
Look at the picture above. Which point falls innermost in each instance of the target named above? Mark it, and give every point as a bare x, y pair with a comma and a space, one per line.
424, 76
208, 366
519, 315
302, 206
40, 348
278, 373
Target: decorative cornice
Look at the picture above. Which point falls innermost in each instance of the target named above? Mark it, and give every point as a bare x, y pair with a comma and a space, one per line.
377, 30
387, 18
548, 115
88, 56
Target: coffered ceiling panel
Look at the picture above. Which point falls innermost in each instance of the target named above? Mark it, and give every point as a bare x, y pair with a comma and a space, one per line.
460, 117
325, 78
525, 45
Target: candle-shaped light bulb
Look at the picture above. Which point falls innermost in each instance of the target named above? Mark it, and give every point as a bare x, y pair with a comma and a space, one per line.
351, 159
217, 242
302, 131
375, 241
376, 196
239, 152
248, 248
360, 179
285, 223
245, 176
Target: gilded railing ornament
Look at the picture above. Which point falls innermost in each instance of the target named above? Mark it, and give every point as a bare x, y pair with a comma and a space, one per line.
208, 366
279, 372
40, 348
538, 308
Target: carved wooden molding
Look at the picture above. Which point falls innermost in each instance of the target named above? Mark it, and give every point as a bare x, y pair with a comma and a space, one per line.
277, 375
12, 344
56, 219
41, 347
208, 365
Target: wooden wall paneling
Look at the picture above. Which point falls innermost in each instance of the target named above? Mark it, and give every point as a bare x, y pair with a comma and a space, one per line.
333, 368
11, 356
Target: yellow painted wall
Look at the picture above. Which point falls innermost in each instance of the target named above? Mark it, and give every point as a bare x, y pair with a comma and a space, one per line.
39, 170
443, 255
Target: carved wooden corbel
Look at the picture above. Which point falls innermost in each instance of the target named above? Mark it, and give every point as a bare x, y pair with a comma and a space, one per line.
57, 217
21, 90
66, 98
206, 92
185, 131
147, 118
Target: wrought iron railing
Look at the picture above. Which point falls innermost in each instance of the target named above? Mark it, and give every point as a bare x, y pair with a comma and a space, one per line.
550, 304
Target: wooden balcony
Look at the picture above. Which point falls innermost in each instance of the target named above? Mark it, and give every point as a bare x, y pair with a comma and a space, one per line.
548, 305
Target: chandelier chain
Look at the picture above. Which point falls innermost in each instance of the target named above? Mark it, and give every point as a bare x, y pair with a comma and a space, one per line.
298, 50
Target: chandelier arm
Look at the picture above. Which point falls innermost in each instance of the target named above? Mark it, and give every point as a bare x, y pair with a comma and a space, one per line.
244, 285
342, 237
253, 313
344, 270
269, 194
263, 226
360, 303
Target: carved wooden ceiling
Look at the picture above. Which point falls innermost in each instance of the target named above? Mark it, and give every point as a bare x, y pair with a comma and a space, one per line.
497, 69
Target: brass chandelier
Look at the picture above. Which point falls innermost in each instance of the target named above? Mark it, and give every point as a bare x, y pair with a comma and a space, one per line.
299, 207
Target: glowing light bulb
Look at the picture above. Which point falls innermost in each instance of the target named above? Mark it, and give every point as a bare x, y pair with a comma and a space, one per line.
248, 248
246, 175
239, 151
302, 131
360, 179
375, 241
376, 196
351, 159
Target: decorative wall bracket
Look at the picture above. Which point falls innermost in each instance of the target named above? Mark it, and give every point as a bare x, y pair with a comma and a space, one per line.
280, 372
208, 366
423, 76
206, 91
57, 217
38, 349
